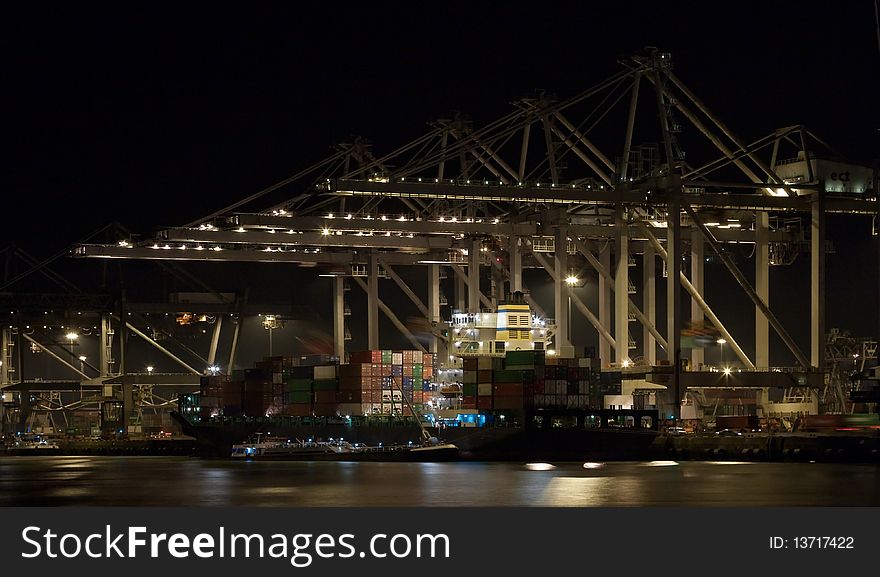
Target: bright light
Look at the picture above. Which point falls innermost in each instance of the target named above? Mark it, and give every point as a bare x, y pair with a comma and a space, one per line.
662, 464
150, 369
627, 363
325, 231
540, 467
213, 369
550, 352
72, 336
721, 342
593, 465
82, 358
727, 370
571, 280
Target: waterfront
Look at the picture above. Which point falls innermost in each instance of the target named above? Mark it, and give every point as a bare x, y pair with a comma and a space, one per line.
179, 481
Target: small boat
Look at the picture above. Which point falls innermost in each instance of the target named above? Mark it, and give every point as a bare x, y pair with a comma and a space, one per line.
262, 448
31, 444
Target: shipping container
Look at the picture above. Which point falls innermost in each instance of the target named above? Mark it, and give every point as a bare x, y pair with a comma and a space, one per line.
324, 409
297, 397
298, 410
325, 385
507, 390
528, 357
299, 385
257, 374
325, 397
510, 403
610, 377
325, 372
350, 409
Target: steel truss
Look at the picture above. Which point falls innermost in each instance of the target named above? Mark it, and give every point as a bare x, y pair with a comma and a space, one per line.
537, 178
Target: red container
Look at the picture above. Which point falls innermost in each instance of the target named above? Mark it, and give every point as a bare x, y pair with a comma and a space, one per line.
510, 403
508, 390
469, 404
484, 402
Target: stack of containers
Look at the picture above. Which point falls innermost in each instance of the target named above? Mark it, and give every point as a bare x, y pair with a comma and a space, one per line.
211, 394
484, 382
298, 391
605, 383
258, 398
470, 382
325, 386
531, 364
311, 390
511, 387
356, 386
379, 379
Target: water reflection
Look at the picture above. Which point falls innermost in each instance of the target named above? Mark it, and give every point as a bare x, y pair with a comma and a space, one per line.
177, 481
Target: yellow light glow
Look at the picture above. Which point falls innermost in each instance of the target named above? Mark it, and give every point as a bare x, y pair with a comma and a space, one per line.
540, 467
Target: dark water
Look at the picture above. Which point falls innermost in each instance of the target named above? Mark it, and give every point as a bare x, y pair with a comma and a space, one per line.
173, 481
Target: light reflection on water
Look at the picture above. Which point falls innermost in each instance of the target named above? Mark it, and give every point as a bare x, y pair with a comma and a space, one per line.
177, 481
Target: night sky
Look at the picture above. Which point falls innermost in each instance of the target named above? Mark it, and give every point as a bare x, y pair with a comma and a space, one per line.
153, 115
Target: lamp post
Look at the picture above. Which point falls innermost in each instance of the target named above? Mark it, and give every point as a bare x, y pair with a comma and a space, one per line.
572, 281
270, 323
721, 343
82, 362
71, 339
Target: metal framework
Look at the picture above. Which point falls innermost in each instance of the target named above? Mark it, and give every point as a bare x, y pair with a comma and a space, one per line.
488, 202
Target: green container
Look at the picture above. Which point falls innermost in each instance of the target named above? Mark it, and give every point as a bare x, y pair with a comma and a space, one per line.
417, 370
299, 384
508, 376
518, 368
469, 389
300, 397
519, 358
326, 385
386, 357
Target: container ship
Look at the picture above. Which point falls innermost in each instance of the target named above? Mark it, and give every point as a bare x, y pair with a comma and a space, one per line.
522, 405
